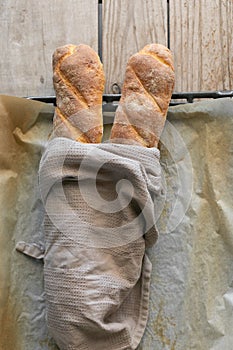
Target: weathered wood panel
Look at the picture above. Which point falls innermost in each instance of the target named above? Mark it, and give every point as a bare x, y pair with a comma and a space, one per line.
30, 32
127, 27
202, 42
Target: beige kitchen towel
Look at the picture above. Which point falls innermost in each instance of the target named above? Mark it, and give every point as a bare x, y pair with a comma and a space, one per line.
99, 202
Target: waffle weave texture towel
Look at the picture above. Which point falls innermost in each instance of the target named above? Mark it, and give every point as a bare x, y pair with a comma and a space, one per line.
100, 217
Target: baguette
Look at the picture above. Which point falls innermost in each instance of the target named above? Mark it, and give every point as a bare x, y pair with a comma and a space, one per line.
78, 79
146, 93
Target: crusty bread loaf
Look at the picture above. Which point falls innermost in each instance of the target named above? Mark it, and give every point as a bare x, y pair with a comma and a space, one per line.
146, 93
78, 79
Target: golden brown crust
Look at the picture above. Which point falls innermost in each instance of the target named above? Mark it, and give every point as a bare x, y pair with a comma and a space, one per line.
78, 79
146, 93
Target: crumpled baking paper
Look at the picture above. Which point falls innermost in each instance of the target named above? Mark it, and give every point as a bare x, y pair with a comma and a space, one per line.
191, 304
24, 130
191, 293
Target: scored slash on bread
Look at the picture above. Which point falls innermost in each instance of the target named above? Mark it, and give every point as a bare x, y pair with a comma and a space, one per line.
146, 93
78, 79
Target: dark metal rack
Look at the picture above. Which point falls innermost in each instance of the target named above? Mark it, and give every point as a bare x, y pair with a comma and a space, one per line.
189, 97
110, 101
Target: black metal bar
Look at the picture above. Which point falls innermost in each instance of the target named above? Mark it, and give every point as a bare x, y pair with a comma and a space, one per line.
168, 24
188, 96
100, 29
46, 99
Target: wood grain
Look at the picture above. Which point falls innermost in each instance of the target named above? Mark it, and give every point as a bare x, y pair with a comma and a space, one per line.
127, 27
30, 32
202, 43
201, 34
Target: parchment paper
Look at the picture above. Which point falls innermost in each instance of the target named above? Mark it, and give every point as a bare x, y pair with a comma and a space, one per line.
25, 126
191, 296
191, 304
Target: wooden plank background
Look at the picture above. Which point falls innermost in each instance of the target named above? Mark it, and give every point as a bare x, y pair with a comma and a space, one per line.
202, 41
201, 38
127, 27
30, 32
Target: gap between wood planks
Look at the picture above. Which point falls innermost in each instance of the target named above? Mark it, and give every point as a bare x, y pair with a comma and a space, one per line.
100, 27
